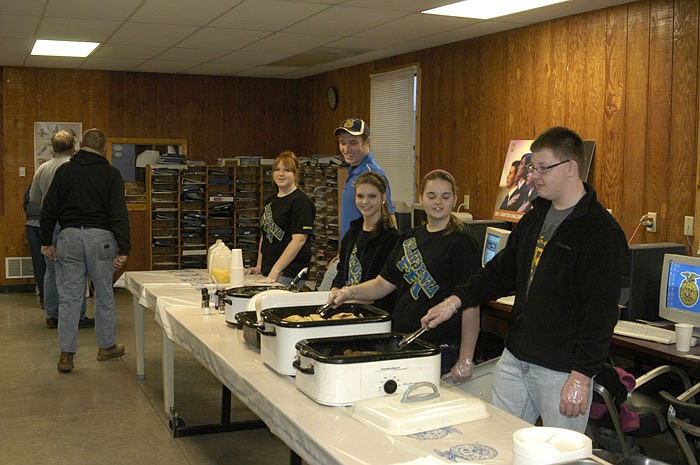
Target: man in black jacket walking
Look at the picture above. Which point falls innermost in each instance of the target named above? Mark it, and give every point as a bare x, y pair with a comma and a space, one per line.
86, 198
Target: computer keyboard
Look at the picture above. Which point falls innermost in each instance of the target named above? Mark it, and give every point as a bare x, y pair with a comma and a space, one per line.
506, 300
645, 331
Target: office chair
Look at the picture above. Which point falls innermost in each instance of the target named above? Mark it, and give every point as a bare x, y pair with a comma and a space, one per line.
648, 405
684, 420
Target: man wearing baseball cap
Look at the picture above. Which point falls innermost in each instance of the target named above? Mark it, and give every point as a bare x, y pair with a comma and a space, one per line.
353, 140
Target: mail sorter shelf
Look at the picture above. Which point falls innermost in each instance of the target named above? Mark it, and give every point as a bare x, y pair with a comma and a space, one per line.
192, 207
320, 183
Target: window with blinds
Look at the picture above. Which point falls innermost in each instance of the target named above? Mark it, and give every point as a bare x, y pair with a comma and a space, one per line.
393, 125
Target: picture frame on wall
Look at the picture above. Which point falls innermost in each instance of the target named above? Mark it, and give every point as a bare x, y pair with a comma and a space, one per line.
44, 131
515, 189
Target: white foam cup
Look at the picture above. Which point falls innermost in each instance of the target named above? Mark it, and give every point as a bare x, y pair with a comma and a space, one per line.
684, 331
236, 258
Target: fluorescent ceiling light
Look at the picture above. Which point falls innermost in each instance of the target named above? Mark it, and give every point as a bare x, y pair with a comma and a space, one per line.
487, 9
63, 48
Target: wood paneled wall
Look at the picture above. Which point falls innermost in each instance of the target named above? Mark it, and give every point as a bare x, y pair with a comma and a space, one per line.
626, 77
219, 116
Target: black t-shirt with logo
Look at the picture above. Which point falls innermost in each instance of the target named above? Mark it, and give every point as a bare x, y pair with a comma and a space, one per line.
283, 216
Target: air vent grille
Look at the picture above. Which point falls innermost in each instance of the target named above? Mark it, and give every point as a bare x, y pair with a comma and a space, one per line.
18, 267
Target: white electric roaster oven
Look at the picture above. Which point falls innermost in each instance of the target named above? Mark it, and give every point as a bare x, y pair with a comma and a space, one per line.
344, 370
278, 337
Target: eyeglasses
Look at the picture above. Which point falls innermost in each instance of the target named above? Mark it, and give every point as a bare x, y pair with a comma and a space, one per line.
542, 170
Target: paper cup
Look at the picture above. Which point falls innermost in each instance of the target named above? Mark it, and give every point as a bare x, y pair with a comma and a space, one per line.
684, 331
237, 276
236, 258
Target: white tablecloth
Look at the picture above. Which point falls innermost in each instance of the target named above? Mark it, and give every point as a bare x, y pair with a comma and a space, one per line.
321, 434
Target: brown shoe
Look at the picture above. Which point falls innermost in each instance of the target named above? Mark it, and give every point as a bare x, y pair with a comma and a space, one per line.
117, 350
86, 323
52, 323
65, 362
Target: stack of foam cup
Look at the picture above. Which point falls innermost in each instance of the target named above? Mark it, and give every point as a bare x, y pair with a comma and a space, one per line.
540, 445
236, 268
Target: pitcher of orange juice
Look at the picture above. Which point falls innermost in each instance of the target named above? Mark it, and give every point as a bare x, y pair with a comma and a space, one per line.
220, 263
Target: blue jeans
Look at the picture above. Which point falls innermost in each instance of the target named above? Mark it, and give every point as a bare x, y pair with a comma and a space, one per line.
50, 289
529, 391
80, 253
38, 264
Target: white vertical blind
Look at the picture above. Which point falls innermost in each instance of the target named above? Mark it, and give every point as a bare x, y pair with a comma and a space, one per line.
393, 129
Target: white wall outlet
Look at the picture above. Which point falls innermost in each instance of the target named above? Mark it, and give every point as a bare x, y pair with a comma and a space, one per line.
465, 204
688, 225
22, 171
609, 210
651, 222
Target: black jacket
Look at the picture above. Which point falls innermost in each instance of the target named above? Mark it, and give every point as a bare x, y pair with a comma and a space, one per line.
87, 192
372, 256
567, 318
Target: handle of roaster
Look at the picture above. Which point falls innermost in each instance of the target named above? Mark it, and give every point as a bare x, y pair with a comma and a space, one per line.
306, 370
407, 397
260, 328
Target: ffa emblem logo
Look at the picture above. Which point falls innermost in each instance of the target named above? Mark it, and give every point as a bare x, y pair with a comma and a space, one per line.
688, 292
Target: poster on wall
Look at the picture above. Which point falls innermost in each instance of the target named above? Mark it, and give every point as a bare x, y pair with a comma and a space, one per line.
516, 189
44, 131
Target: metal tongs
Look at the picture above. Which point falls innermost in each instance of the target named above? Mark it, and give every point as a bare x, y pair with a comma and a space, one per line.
300, 275
406, 340
325, 311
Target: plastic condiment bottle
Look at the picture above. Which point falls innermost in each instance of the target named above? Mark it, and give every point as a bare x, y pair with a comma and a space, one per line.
205, 301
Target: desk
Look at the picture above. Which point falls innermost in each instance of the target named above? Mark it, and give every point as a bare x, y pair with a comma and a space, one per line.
496, 318
318, 434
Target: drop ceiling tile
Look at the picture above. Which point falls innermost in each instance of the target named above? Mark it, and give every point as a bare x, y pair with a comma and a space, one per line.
151, 34
267, 15
217, 69
481, 28
226, 39
93, 9
119, 51
111, 64
266, 71
360, 41
191, 54
53, 62
287, 43
408, 6
20, 27
156, 66
417, 25
183, 12
16, 46
90, 30
249, 58
11, 59
342, 21
21, 7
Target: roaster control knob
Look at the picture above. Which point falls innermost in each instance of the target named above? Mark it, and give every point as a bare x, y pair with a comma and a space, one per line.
390, 386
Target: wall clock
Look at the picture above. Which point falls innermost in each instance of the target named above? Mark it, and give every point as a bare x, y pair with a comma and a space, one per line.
332, 98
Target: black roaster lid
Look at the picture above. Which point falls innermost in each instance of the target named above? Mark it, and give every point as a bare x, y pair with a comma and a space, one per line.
367, 313
330, 349
249, 291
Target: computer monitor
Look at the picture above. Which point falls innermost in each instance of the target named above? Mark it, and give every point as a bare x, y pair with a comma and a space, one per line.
494, 240
679, 299
641, 279
477, 229
418, 216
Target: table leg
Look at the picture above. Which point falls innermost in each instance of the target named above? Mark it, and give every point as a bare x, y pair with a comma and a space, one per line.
138, 332
168, 375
